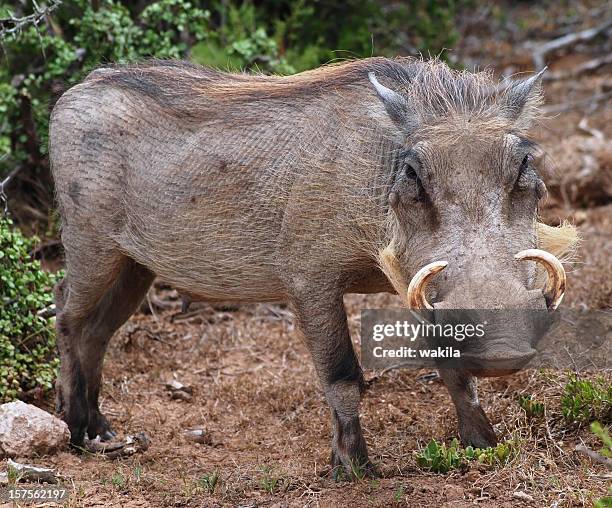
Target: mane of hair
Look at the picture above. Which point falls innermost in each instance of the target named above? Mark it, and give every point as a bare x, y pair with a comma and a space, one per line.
435, 90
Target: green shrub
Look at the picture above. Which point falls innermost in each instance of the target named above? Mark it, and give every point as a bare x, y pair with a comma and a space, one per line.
584, 401
532, 407
28, 356
604, 435
208, 482
41, 62
440, 458
604, 502
241, 42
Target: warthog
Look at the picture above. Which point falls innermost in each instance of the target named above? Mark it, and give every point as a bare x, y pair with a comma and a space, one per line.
250, 188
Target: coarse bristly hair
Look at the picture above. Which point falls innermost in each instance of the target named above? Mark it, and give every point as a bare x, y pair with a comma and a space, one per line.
433, 90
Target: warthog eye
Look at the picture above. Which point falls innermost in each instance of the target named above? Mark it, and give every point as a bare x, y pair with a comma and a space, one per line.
410, 172
524, 168
525, 163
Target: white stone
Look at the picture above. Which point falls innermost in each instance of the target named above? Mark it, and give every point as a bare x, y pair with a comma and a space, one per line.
26, 430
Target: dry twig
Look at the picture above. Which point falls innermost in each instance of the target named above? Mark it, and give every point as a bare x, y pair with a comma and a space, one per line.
12, 25
588, 66
540, 52
587, 101
116, 449
594, 456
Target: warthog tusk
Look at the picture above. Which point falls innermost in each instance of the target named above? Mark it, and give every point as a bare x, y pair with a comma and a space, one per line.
555, 286
416, 288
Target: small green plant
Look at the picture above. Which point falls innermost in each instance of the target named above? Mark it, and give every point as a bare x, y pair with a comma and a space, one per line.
358, 470
440, 458
603, 434
12, 475
532, 407
398, 495
118, 480
28, 357
209, 481
604, 502
138, 472
339, 474
584, 401
498, 455
269, 482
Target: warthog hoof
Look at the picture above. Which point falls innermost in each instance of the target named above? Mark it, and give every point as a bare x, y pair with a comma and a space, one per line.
99, 426
475, 430
352, 469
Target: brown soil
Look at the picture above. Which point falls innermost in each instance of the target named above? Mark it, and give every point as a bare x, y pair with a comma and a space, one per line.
256, 394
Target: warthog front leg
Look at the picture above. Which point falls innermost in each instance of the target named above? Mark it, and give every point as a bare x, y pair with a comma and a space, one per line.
474, 426
324, 325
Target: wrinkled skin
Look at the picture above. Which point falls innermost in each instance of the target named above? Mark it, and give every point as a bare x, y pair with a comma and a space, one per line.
237, 188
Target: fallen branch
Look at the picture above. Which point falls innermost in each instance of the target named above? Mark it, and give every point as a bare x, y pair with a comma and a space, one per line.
116, 449
594, 456
376, 377
585, 67
179, 391
523, 496
3, 184
198, 435
588, 101
541, 51
47, 312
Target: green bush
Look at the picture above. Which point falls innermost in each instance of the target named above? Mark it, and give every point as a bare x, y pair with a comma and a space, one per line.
39, 63
584, 401
241, 42
28, 356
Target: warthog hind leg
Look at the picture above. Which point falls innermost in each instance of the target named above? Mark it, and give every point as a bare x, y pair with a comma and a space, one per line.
92, 309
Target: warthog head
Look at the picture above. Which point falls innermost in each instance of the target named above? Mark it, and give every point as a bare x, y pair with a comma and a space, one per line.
464, 201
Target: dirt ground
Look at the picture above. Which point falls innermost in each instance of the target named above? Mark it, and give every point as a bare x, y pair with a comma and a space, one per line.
255, 392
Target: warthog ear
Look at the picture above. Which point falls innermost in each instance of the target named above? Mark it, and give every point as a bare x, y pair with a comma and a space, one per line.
521, 99
397, 106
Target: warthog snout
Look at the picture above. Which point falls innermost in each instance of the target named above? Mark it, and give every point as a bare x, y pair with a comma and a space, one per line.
508, 344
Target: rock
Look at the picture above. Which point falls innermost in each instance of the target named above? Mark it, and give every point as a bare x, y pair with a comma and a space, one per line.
523, 496
26, 430
179, 391
198, 435
29, 473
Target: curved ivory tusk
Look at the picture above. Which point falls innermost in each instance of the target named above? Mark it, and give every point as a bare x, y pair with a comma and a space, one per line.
555, 286
416, 289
